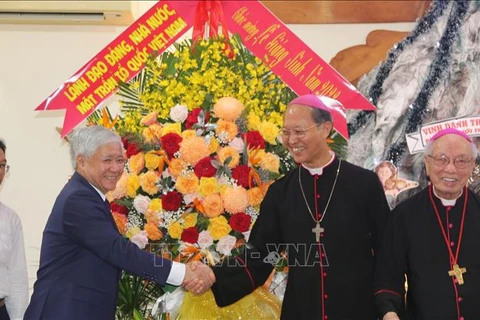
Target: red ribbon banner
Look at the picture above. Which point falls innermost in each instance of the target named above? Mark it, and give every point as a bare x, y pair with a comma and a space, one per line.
121, 60
290, 58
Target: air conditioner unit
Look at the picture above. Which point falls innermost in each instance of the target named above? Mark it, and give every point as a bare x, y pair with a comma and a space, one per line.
68, 12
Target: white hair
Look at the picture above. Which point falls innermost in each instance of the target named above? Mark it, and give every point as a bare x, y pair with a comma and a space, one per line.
85, 141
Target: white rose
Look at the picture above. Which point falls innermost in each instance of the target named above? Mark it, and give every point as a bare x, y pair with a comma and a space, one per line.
179, 113
205, 239
140, 239
226, 244
141, 203
237, 144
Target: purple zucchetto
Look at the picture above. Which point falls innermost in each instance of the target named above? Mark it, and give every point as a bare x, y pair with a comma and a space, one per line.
451, 131
310, 100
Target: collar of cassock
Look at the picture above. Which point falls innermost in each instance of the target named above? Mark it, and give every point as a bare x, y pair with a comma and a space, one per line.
447, 202
319, 171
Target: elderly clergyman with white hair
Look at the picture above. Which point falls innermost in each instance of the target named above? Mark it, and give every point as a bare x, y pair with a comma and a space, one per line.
83, 253
433, 239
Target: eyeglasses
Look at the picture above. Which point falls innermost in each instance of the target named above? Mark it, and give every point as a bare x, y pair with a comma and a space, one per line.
459, 162
4, 167
299, 133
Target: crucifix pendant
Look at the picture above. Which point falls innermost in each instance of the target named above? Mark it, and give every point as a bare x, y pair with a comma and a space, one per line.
457, 272
317, 230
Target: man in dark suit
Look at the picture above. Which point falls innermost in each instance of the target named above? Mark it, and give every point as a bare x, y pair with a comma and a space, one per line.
83, 253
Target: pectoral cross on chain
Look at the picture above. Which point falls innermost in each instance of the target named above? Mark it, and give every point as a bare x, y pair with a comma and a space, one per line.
457, 272
317, 230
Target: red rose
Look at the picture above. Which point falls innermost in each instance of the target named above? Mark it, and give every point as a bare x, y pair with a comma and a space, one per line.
171, 143
254, 140
192, 117
118, 208
240, 174
240, 222
190, 235
204, 168
172, 201
132, 149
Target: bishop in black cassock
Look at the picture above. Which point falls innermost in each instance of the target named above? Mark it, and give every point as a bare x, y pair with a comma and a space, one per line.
416, 247
433, 239
329, 278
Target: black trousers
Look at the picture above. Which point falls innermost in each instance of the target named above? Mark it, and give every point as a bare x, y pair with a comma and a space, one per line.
3, 313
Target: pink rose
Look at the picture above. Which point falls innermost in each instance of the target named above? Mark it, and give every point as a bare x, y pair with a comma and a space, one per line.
226, 244
179, 113
140, 239
237, 144
205, 239
141, 203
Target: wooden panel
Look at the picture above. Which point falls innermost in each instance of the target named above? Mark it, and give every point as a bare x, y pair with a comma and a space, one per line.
361, 11
354, 62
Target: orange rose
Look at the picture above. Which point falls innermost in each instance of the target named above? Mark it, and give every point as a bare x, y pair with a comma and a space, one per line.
153, 133
226, 152
149, 119
121, 222
187, 183
136, 163
148, 182
213, 205
153, 233
255, 196
270, 162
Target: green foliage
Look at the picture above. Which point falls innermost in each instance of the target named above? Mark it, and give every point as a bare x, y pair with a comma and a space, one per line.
134, 297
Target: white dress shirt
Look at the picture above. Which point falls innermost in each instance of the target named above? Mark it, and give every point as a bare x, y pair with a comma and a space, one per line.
177, 273
13, 266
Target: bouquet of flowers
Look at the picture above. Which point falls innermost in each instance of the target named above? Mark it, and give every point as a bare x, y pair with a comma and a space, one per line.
200, 127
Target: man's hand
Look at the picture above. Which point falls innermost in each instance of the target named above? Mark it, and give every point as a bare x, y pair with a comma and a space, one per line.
198, 277
390, 316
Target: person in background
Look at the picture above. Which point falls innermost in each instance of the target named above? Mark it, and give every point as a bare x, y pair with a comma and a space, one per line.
327, 214
433, 238
13, 266
82, 253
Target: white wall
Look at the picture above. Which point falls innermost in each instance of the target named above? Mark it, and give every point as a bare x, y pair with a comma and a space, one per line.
34, 61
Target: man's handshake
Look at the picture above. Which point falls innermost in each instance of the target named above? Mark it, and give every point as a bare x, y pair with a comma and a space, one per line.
198, 277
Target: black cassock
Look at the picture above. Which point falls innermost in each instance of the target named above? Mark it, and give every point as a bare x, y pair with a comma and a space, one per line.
331, 281
415, 246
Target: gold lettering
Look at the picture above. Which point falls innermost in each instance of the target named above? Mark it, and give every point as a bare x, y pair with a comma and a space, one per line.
295, 65
276, 50
107, 87
139, 34
175, 28
158, 42
87, 104
75, 89
118, 52
159, 17
239, 16
97, 71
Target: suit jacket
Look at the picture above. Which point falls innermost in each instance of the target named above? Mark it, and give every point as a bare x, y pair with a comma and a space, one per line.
82, 256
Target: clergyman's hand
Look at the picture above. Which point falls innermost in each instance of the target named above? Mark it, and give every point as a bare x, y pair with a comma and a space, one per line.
390, 316
198, 277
